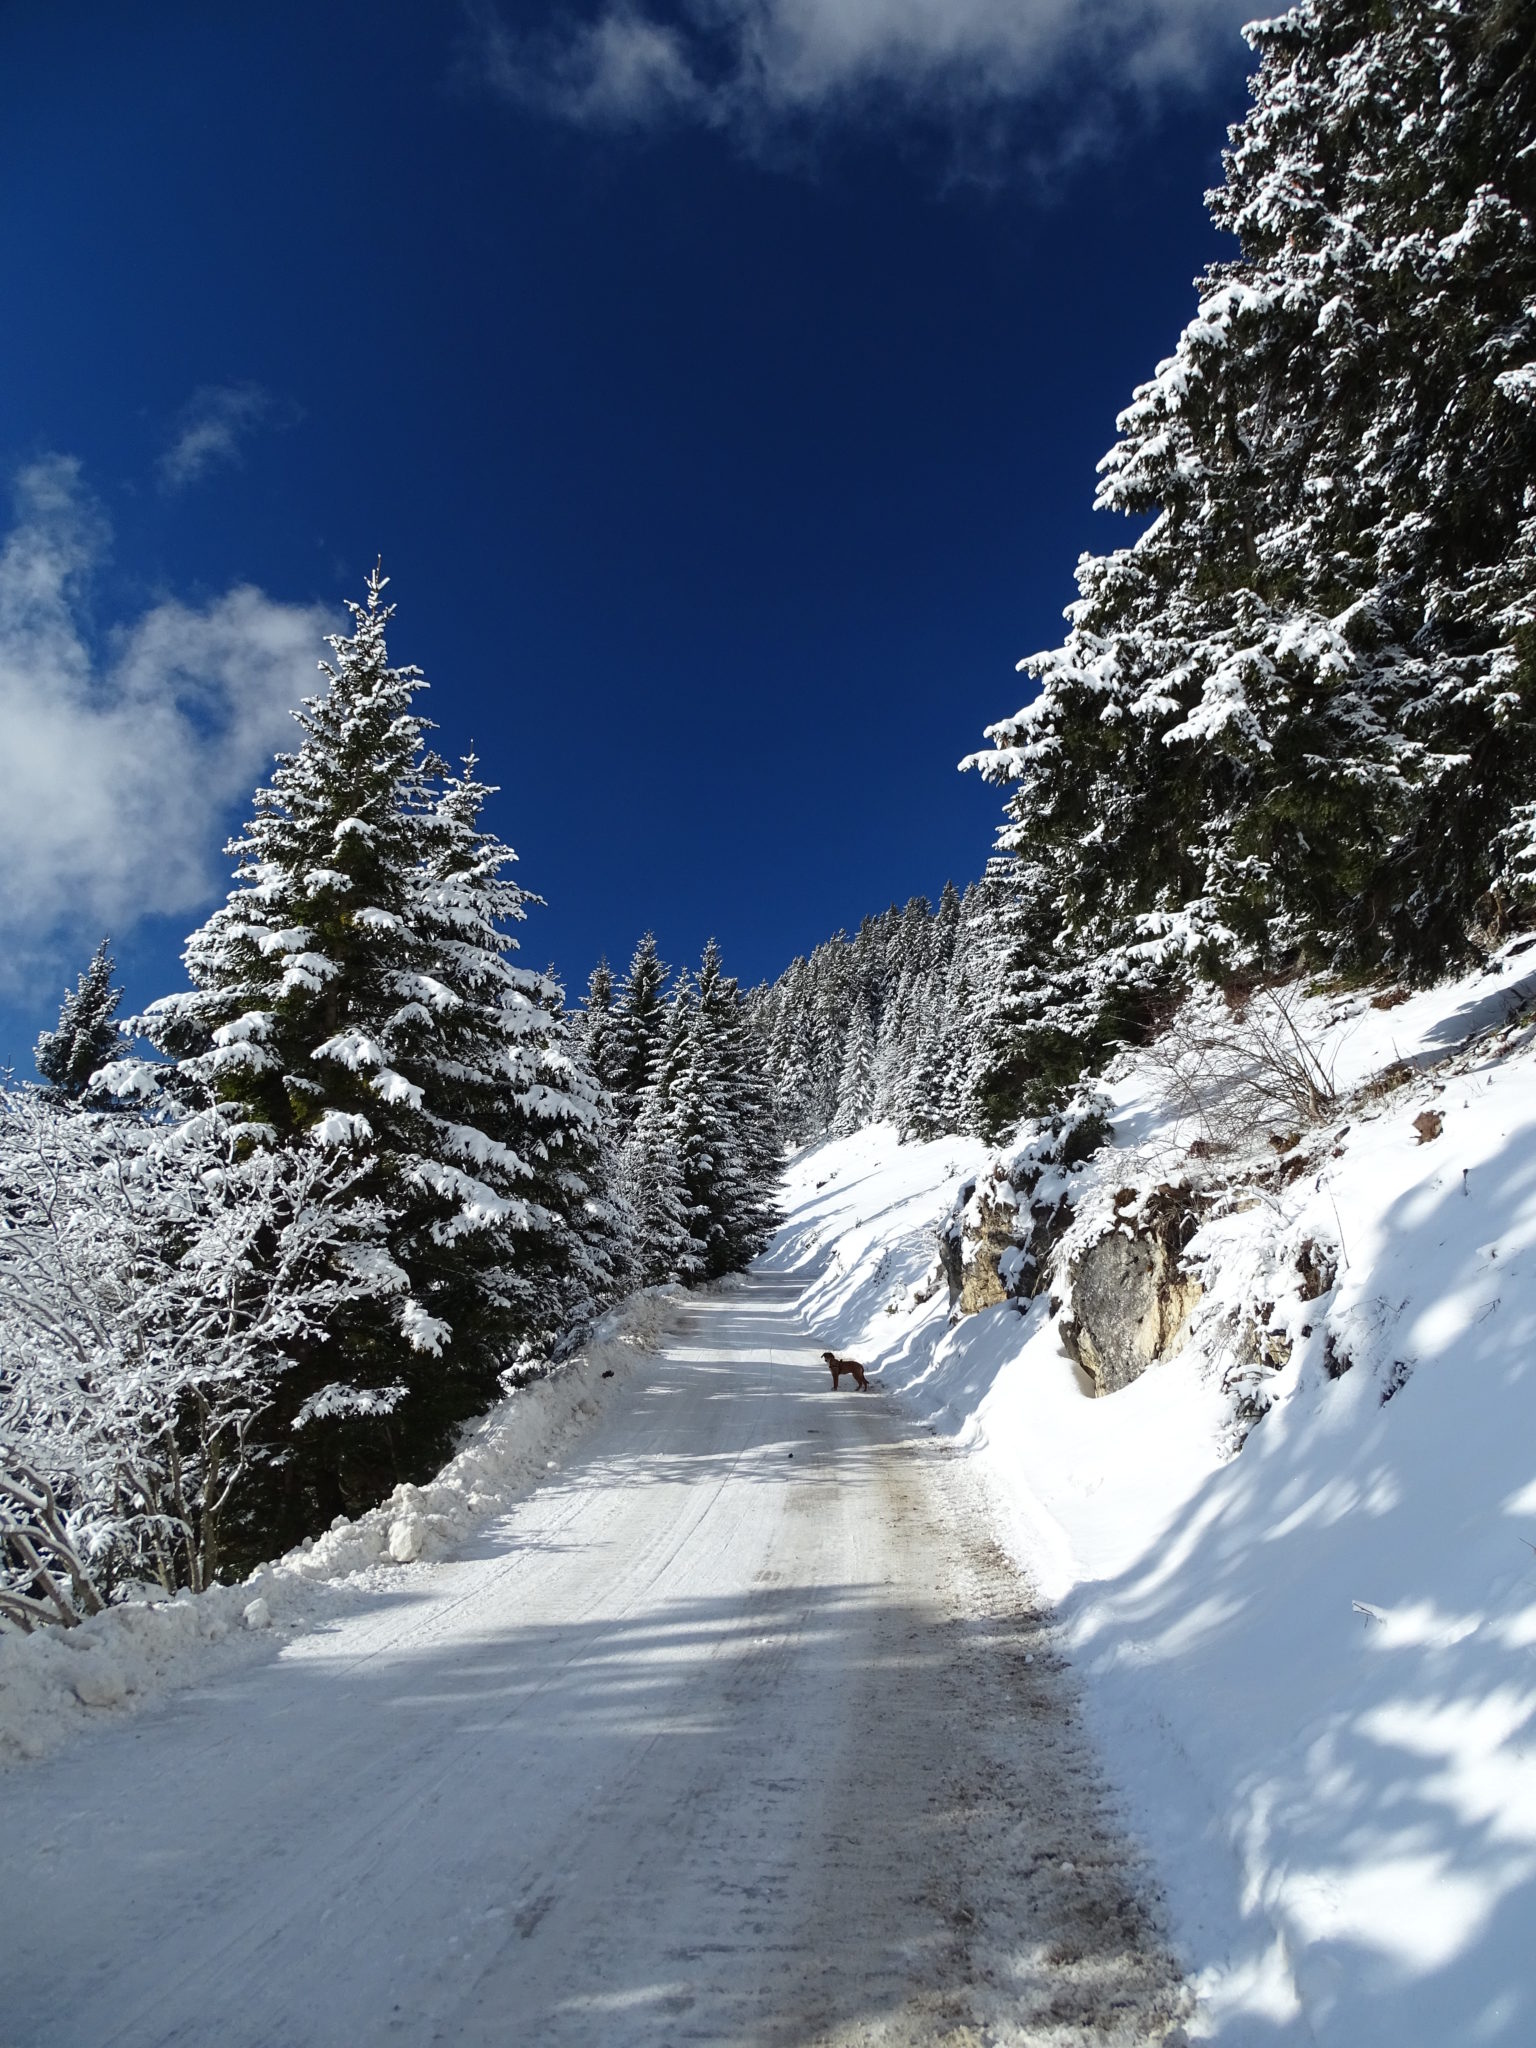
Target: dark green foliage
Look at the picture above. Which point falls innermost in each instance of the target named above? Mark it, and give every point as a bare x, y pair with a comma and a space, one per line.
1294, 724
356, 993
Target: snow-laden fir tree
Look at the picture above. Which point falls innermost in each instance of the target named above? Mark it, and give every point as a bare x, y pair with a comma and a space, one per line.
85, 1037
731, 1156
856, 1081
601, 1045
517, 1249
639, 1022
355, 993
925, 1086
701, 1164
792, 1037
651, 1169
1293, 722
703, 1122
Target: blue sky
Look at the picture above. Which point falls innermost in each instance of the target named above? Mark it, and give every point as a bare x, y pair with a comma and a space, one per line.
720, 382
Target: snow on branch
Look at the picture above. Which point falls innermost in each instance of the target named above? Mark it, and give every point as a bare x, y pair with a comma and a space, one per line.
155, 1285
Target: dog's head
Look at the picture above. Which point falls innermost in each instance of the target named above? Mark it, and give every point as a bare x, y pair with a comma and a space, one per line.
827, 1357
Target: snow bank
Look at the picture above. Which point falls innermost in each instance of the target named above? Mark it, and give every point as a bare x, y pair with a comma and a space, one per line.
55, 1681
1310, 1661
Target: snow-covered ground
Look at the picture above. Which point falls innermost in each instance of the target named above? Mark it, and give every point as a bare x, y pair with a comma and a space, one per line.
737, 1729
1311, 1664
55, 1684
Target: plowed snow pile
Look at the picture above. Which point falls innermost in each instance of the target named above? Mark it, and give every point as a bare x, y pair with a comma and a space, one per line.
1293, 1560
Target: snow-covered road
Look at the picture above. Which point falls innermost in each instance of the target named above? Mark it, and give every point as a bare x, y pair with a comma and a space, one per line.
738, 1730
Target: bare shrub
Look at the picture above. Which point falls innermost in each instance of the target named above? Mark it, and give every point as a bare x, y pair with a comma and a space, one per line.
1247, 1077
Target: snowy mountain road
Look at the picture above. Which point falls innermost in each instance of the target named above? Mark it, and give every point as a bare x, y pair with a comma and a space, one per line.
736, 1731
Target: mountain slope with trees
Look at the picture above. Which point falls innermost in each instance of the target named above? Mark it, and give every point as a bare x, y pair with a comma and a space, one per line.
893, 1025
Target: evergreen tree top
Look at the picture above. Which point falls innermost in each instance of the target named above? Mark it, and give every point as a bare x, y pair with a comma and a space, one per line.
85, 1036
640, 990
1292, 720
600, 988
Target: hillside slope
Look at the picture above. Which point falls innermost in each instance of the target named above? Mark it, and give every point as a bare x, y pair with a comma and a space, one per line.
1295, 1558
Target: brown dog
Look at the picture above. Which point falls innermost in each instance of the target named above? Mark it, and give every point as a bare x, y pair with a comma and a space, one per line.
839, 1366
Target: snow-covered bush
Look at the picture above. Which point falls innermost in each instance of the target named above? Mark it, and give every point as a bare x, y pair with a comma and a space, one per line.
155, 1284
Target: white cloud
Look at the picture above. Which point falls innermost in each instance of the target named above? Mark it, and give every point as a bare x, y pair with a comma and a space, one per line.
757, 65
619, 70
214, 421
119, 771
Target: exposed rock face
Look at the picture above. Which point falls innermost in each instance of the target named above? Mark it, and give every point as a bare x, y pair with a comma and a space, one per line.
988, 1239
1131, 1298
952, 1243
999, 1242
1318, 1267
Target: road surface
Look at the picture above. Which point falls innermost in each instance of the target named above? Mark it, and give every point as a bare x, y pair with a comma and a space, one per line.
738, 1731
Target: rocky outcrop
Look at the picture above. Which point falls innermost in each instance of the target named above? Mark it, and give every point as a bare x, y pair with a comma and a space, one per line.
1131, 1296
999, 1242
952, 1243
992, 1225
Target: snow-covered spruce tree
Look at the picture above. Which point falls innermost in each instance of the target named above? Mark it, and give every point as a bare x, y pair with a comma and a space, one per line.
701, 1165
601, 1047
638, 1026
760, 1129
704, 1125
1290, 724
650, 1172
1046, 1006
971, 994
726, 1124
85, 1037
855, 1084
597, 1045
511, 1102
896, 1047
353, 993
791, 1051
